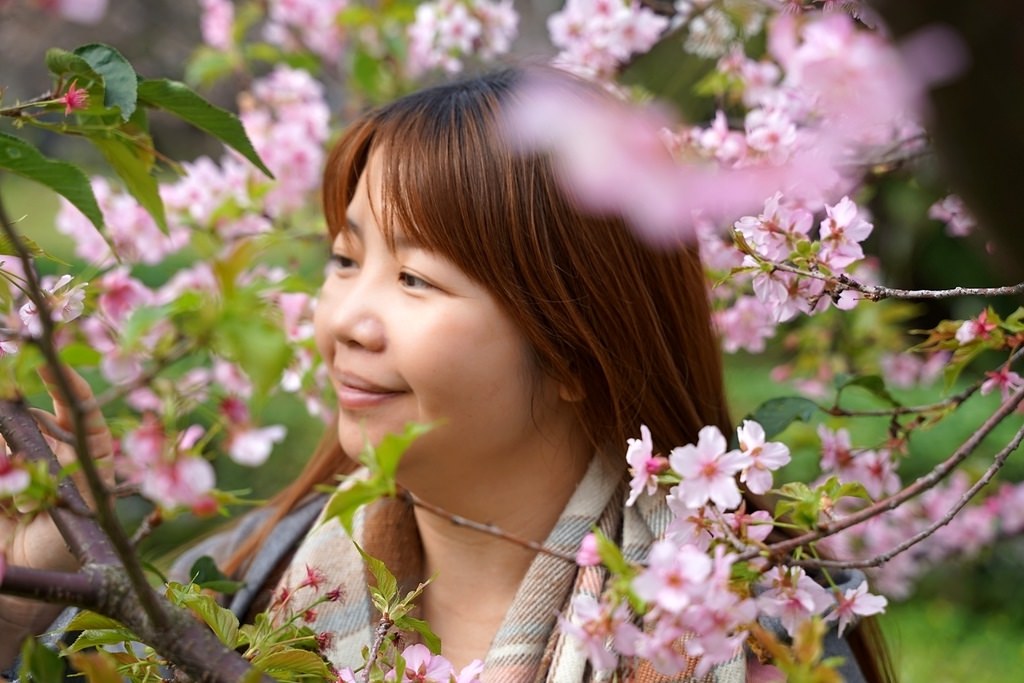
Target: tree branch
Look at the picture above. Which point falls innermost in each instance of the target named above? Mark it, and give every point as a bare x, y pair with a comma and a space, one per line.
490, 529
783, 548
63, 588
879, 560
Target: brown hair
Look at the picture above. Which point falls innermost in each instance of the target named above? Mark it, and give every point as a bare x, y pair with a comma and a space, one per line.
626, 327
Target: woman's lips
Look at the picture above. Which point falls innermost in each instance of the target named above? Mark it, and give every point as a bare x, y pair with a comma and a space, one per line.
354, 392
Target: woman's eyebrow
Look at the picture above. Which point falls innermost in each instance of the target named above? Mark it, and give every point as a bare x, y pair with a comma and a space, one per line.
354, 227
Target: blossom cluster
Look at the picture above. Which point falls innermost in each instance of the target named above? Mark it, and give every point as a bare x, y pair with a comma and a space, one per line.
595, 37
422, 666
446, 32
693, 613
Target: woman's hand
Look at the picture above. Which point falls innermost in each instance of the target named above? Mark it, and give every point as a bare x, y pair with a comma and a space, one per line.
34, 542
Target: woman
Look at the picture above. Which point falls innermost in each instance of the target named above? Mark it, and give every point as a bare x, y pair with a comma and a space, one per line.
467, 291
467, 288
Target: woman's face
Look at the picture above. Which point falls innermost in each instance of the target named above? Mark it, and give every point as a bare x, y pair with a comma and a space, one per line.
408, 337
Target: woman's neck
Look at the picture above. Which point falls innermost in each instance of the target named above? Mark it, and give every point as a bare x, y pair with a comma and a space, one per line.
475, 575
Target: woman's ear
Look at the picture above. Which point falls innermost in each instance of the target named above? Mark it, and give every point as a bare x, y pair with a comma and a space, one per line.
573, 393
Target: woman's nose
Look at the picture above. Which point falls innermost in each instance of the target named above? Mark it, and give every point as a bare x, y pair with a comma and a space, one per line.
354, 314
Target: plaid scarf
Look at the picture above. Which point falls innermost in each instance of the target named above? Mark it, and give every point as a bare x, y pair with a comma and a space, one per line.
528, 647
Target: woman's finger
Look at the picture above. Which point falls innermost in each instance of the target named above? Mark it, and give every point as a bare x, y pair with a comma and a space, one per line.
81, 393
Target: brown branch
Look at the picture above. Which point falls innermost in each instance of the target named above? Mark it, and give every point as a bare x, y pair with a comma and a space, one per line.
379, 634
62, 588
879, 560
490, 529
784, 548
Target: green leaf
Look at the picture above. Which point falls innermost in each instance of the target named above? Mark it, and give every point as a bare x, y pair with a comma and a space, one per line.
611, 556
66, 64
386, 456
133, 164
206, 574
344, 503
872, 383
65, 179
386, 582
78, 354
39, 663
296, 662
120, 81
778, 413
430, 639
221, 620
85, 619
7, 247
97, 637
180, 100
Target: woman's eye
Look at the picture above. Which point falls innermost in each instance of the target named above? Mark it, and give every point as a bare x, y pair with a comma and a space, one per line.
342, 262
413, 281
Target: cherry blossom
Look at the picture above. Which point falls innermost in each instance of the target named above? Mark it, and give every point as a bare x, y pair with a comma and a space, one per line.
216, 23
765, 457
841, 234
952, 211
65, 301
792, 597
1004, 379
74, 98
587, 555
252, 446
13, 479
593, 625
673, 575
853, 603
447, 31
708, 471
312, 24
975, 329
643, 465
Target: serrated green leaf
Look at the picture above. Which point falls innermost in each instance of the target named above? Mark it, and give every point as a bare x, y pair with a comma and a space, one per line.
220, 620
430, 639
7, 247
386, 582
180, 100
85, 619
775, 414
872, 383
65, 179
120, 82
133, 165
97, 637
295, 662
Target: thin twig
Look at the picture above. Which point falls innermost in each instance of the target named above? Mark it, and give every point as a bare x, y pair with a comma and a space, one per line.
149, 523
784, 548
490, 529
106, 516
380, 633
996, 465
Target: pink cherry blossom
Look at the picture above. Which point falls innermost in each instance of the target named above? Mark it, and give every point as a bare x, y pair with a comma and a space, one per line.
447, 31
643, 465
185, 482
13, 478
792, 597
841, 234
592, 626
836, 451
66, 302
423, 667
587, 555
216, 23
74, 99
252, 446
974, 329
952, 211
776, 232
853, 603
765, 457
80, 11
746, 325
120, 294
708, 471
673, 576
312, 24
1004, 379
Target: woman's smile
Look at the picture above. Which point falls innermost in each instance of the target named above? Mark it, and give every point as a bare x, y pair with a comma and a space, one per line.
357, 393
